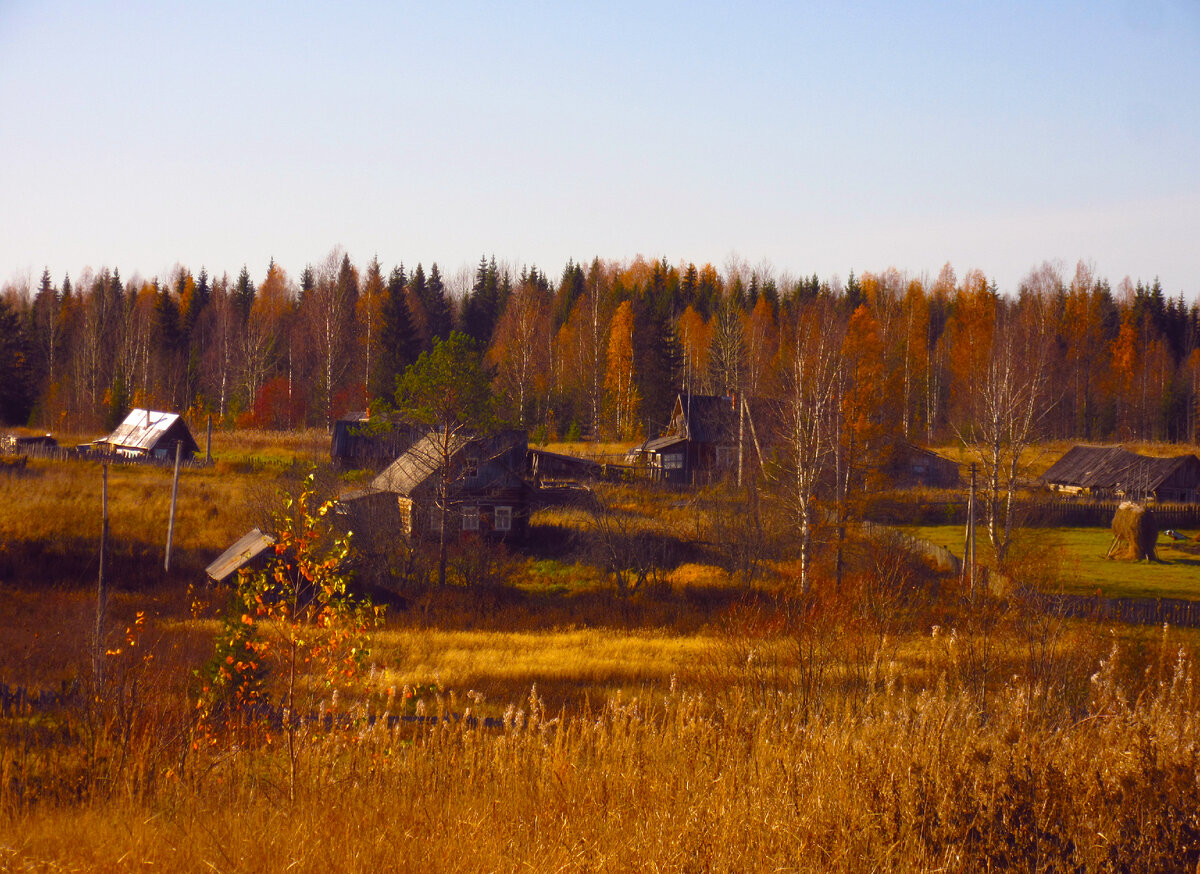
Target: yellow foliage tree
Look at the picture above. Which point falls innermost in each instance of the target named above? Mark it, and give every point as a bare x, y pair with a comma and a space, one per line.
621, 392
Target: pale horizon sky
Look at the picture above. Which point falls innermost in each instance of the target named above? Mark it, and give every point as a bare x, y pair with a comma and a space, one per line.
814, 138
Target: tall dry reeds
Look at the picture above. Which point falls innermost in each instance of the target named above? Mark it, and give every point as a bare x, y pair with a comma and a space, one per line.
736, 779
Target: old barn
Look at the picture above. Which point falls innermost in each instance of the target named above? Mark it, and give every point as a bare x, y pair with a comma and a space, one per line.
1115, 472
149, 434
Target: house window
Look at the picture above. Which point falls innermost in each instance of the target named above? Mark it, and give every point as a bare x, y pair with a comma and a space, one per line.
725, 457
470, 518
673, 461
502, 519
471, 467
435, 520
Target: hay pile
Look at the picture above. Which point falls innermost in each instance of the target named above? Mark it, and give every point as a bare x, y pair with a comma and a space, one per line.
1135, 533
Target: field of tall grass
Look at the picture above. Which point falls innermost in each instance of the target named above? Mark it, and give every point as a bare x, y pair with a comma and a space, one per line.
710, 721
693, 773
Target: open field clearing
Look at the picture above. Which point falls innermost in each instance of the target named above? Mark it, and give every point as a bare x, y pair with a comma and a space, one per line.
707, 720
1074, 557
730, 778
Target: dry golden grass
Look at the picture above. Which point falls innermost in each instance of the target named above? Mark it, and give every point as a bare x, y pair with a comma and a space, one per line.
866, 728
728, 779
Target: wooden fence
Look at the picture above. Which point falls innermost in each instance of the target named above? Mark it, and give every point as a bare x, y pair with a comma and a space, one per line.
1129, 611
1046, 512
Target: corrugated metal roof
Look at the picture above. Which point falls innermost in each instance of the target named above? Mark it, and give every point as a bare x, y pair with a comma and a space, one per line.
141, 429
236, 557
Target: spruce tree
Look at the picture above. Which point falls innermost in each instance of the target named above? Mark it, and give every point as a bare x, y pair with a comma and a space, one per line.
399, 343
437, 307
17, 384
243, 294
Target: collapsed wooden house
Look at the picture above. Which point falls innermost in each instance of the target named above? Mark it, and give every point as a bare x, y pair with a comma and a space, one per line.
1114, 472
250, 550
149, 434
473, 484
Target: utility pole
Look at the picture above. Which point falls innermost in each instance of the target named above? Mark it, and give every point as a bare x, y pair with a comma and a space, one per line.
174, 495
101, 594
969, 550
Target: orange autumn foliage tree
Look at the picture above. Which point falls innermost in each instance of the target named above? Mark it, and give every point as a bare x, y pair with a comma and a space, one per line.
695, 338
621, 392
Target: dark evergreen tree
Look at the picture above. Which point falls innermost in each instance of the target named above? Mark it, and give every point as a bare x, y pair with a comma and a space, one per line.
570, 289
437, 306
419, 286
854, 294
689, 287
399, 343
166, 317
658, 363
17, 379
308, 280
480, 310
243, 294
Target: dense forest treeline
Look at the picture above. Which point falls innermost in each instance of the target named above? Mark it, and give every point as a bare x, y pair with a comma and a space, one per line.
602, 349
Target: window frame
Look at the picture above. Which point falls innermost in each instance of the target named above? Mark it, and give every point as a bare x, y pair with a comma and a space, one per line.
504, 513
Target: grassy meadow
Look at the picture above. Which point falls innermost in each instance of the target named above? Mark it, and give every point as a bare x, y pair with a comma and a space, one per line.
1076, 560
709, 718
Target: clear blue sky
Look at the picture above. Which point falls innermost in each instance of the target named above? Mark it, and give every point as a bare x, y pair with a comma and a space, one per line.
811, 137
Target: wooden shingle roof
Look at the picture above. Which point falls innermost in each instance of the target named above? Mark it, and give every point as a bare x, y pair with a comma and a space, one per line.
1112, 467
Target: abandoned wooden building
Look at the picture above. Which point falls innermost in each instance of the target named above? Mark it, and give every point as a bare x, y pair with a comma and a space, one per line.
1114, 472
149, 434
906, 465
28, 444
252, 549
360, 441
485, 492
705, 439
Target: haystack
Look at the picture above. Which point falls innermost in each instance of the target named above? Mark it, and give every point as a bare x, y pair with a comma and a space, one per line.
1135, 533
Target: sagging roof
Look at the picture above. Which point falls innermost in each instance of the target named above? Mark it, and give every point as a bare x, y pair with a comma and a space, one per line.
418, 463
658, 444
143, 429
1112, 467
421, 461
245, 550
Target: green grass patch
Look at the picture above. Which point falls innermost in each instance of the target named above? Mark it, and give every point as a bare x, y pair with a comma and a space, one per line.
1076, 555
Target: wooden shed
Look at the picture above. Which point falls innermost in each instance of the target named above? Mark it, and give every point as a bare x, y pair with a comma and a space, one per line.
907, 465
360, 441
149, 434
1115, 472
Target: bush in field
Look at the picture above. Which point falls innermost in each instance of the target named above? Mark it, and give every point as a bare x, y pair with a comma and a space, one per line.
290, 621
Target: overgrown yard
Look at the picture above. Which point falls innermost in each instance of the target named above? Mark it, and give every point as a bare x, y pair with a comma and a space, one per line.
703, 715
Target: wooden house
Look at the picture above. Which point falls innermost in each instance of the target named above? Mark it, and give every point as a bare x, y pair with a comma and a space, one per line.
485, 491
358, 441
1114, 472
907, 465
149, 434
704, 438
